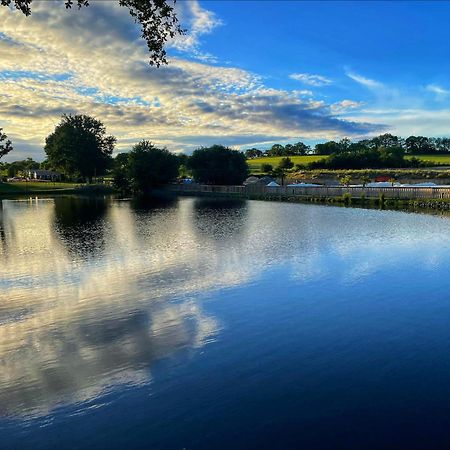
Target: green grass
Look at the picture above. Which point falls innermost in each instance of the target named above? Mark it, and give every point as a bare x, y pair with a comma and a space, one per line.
255, 164
22, 187
438, 159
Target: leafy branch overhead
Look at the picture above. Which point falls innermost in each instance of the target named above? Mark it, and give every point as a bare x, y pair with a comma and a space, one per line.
157, 18
5, 144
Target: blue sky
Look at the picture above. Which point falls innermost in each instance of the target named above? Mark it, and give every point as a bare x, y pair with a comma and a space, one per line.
248, 73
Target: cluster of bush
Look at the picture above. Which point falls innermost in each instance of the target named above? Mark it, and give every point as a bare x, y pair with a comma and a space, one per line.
147, 166
376, 158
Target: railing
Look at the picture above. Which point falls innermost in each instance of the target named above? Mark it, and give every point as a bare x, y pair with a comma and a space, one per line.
316, 191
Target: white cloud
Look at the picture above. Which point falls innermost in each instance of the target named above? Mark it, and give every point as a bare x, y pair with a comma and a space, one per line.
310, 79
438, 90
345, 105
367, 82
199, 22
104, 72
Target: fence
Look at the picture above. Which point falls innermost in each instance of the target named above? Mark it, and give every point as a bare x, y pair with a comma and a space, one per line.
315, 191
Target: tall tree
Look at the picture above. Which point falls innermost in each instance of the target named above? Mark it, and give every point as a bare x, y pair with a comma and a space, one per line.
5, 144
327, 148
79, 146
300, 148
386, 140
157, 18
283, 166
149, 166
218, 165
418, 144
253, 153
276, 150
120, 169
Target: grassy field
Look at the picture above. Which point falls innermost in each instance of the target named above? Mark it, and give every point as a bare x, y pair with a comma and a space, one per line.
22, 187
437, 159
255, 164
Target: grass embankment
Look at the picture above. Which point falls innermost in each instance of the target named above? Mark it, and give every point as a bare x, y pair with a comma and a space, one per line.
35, 187
443, 160
255, 164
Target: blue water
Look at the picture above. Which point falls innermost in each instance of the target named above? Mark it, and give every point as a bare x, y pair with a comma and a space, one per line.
206, 324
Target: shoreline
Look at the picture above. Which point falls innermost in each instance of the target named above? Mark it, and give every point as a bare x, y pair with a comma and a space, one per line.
381, 202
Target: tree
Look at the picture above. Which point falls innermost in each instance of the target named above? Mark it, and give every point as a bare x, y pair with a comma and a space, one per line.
80, 147
327, 148
266, 168
149, 166
5, 144
253, 153
218, 165
365, 179
157, 18
121, 179
386, 140
418, 144
344, 144
21, 168
345, 180
300, 149
183, 170
276, 150
284, 165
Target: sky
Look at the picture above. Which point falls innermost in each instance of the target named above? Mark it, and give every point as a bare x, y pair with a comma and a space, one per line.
247, 74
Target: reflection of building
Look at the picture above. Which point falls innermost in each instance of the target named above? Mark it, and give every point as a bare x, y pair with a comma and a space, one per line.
39, 174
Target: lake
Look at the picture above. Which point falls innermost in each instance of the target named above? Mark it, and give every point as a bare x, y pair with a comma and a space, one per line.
196, 323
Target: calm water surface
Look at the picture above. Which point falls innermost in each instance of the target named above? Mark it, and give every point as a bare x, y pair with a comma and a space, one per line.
205, 324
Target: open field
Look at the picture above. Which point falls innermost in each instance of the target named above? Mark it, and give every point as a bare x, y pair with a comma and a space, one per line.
255, 164
437, 159
22, 187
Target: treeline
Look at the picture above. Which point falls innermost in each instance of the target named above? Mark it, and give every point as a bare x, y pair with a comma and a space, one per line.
81, 150
147, 166
412, 145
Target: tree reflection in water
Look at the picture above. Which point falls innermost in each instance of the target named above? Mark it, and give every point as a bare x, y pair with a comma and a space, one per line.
80, 222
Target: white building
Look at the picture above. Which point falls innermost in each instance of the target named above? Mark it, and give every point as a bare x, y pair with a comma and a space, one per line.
38, 174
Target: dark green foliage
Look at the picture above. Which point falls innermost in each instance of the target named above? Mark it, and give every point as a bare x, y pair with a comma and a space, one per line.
266, 168
5, 144
79, 147
120, 173
288, 150
157, 18
285, 164
218, 165
365, 158
253, 153
327, 148
183, 170
149, 166
347, 199
413, 145
419, 144
17, 168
